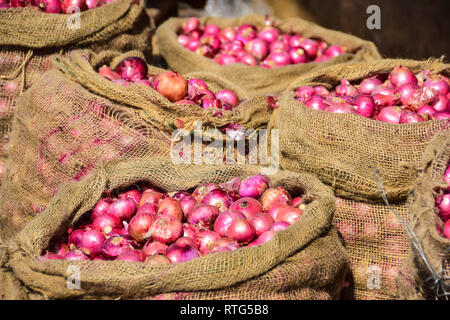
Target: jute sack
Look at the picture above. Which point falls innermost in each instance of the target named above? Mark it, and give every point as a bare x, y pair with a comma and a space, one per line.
343, 149
416, 279
255, 79
305, 261
72, 118
28, 38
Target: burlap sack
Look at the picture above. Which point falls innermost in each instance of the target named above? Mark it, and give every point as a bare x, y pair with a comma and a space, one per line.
72, 118
305, 261
343, 149
28, 37
255, 79
423, 218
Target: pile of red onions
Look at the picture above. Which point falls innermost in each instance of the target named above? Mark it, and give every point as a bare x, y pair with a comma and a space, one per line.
144, 224
401, 97
172, 85
443, 206
268, 47
55, 6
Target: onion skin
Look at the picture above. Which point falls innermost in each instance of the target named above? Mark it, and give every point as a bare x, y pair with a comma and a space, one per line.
132, 194
224, 220
263, 238
152, 248
273, 196
289, 215
218, 198
206, 240
166, 229
204, 215
132, 255
202, 190
139, 226
171, 207
152, 197
254, 186
178, 253
122, 208
101, 207
147, 208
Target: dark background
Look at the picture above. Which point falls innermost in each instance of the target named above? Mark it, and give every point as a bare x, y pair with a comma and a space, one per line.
415, 29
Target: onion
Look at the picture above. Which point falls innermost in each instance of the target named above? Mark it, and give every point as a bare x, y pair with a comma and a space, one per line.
211, 40
408, 92
310, 46
74, 240
273, 196
279, 46
51, 256
447, 229
369, 84
92, 242
183, 40
258, 48
131, 194
191, 25
247, 206
132, 255
205, 50
158, 259
139, 226
438, 85
122, 208
365, 106
289, 215
401, 75
49, 6
187, 204
275, 209
203, 189
443, 205
280, 59
208, 103
178, 253
114, 246
152, 248
227, 96
246, 32
411, 117
298, 55
321, 91
390, 115
261, 222
263, 238
190, 230
225, 219
187, 240
63, 250
101, 207
132, 69
106, 222
193, 44
225, 59
346, 89
170, 207
225, 244
241, 230
150, 196
211, 29
316, 103
76, 255
204, 215
447, 176
171, 85
304, 93
248, 59
295, 40
269, 34
166, 229
206, 240
426, 110
278, 226
334, 51
441, 115
228, 34
17, 3
441, 103
384, 96
148, 208
91, 4
253, 186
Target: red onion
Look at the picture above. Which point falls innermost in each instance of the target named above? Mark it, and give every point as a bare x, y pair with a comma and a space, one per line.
183, 40
132, 255
193, 44
122, 208
187, 240
191, 25
346, 89
447, 176
63, 250
166, 229
401, 75
49, 6
273, 196
205, 50
298, 55
248, 59
206, 240
152, 248
441, 103
411, 117
106, 222
211, 29
187, 204
447, 229
225, 244
227, 96
275, 209
224, 59
321, 91
204, 215
289, 215
196, 34
279, 59
132, 69
178, 253
334, 51
74, 240
203, 189
131, 194
278, 226
51, 256
225, 219
147, 208
261, 222
228, 33
208, 103
76, 255
241, 230
139, 226
269, 34
316, 103
253, 186
295, 40
91, 4
247, 206
171, 85
211, 40
263, 238
152, 197
365, 106
114, 246
246, 33
92, 242
408, 92
310, 46
441, 115
101, 207
279, 46
426, 110
158, 259
170, 207
258, 48
304, 93
190, 230
218, 198
390, 115
384, 96
369, 84
439, 85
443, 205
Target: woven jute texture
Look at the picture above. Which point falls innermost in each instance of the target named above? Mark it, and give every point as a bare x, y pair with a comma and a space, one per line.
61, 131
305, 261
423, 219
255, 79
28, 38
343, 149
253, 112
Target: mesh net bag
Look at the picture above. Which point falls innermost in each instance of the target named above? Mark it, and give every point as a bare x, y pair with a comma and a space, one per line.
305, 261
343, 149
71, 119
258, 80
28, 38
416, 280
